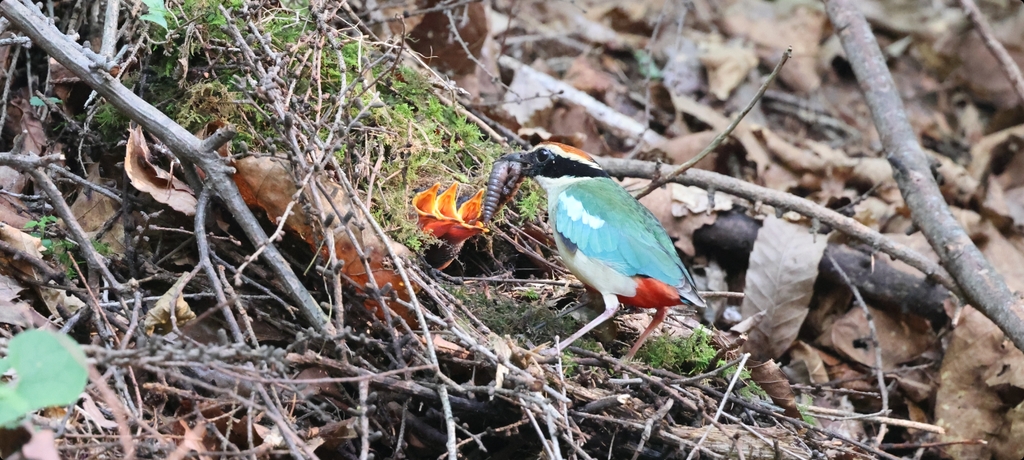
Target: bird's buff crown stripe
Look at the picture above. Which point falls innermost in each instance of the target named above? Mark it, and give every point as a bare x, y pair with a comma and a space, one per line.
574, 209
568, 151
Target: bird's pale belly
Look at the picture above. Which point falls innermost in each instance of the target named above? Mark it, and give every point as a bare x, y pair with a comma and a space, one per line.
636, 291
595, 273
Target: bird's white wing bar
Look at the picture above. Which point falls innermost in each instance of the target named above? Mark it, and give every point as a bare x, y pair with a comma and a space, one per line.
575, 210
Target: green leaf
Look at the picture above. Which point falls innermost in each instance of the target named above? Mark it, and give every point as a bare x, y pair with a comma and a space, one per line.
12, 406
51, 371
157, 12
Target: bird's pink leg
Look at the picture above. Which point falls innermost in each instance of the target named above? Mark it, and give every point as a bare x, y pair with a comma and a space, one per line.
658, 318
611, 305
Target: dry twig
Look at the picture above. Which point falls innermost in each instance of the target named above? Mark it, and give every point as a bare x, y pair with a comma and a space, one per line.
983, 286
1006, 62
781, 200
91, 68
717, 141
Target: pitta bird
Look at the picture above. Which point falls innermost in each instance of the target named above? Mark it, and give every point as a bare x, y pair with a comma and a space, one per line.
610, 241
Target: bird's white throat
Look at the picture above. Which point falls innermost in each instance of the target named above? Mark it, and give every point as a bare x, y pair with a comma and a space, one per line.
554, 185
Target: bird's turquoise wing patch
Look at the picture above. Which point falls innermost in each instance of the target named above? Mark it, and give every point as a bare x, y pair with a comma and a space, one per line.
606, 223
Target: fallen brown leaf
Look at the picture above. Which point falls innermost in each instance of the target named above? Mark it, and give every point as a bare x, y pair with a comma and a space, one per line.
727, 67
773, 26
443, 41
780, 281
967, 405
682, 148
148, 178
13, 310
158, 319
92, 210
22, 119
901, 338
266, 182
811, 360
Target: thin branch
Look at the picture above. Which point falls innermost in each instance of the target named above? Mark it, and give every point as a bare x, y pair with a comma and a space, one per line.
781, 200
91, 68
721, 137
877, 367
984, 287
1006, 63
835, 414
109, 41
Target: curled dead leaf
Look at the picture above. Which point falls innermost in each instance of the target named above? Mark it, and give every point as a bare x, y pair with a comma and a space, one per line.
727, 67
266, 182
148, 178
775, 383
158, 319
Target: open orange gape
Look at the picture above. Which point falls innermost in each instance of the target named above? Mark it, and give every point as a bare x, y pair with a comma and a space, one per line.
452, 223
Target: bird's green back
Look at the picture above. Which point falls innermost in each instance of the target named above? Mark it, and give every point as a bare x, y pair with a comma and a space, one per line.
601, 219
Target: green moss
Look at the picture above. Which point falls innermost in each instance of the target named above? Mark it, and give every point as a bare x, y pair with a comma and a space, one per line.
807, 418
429, 142
533, 200
205, 102
749, 388
110, 122
526, 317
422, 139
691, 355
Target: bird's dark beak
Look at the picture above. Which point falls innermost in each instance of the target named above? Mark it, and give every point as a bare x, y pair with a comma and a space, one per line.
518, 157
527, 159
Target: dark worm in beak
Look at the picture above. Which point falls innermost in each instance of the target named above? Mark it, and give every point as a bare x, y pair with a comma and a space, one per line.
502, 185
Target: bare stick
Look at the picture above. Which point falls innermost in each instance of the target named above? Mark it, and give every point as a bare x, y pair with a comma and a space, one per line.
1005, 61
755, 193
607, 117
109, 41
984, 287
725, 399
649, 427
204, 261
90, 68
835, 414
655, 183
879, 374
